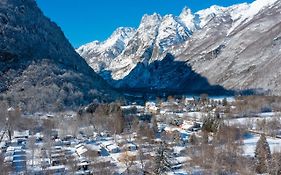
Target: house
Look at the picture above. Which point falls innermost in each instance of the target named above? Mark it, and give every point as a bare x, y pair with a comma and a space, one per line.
129, 146
57, 156
59, 169
21, 134
83, 168
113, 148
151, 107
58, 142
195, 127
13, 148
94, 149
68, 140
39, 137
19, 165
80, 149
16, 157
8, 159
110, 146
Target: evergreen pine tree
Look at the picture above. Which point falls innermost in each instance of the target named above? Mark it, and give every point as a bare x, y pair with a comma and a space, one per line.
224, 102
275, 168
163, 159
262, 155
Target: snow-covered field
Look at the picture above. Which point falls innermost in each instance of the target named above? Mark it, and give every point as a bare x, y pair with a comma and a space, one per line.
251, 140
253, 120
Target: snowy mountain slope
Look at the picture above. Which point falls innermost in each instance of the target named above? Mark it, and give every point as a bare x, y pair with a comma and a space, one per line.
153, 37
247, 59
39, 69
103, 53
251, 11
139, 47
229, 45
208, 14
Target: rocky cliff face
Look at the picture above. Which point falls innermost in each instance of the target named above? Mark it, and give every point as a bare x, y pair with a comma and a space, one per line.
104, 52
38, 66
236, 47
148, 43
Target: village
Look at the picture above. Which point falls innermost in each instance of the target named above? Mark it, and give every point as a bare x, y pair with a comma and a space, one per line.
154, 137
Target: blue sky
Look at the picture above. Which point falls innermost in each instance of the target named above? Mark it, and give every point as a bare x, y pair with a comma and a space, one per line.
86, 20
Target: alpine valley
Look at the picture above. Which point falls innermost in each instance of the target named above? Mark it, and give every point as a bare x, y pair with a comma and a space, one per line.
197, 93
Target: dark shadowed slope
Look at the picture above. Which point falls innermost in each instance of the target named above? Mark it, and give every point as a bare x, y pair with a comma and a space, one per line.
39, 68
167, 75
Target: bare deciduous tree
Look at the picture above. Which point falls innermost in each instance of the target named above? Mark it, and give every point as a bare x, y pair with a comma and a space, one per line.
128, 160
32, 147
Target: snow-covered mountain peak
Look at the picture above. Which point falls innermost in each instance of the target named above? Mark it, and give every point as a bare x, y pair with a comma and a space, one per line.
217, 9
119, 37
168, 19
85, 48
237, 10
212, 10
150, 20
207, 14
186, 12
172, 31
100, 54
257, 6
246, 12
123, 32
188, 18
93, 43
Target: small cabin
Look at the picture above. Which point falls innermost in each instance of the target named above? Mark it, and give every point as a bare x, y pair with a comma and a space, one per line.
113, 148
129, 147
60, 169
21, 134
80, 149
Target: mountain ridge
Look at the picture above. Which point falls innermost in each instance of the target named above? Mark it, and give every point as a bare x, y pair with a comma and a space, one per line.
210, 45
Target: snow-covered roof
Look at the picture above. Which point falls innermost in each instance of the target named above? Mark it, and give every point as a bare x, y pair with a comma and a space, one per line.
11, 109
132, 106
94, 147
85, 163
39, 135
56, 167
129, 145
81, 150
2, 144
150, 104
112, 147
13, 148
19, 134
108, 142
